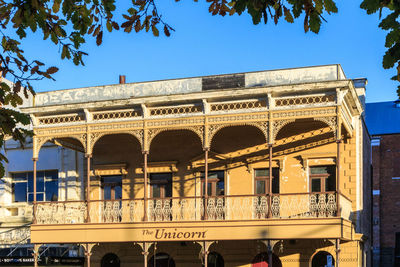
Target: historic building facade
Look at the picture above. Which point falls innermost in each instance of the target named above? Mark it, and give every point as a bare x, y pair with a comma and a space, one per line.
227, 170
382, 120
59, 177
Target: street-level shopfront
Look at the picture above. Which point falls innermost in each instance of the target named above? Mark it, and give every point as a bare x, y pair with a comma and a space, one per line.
51, 255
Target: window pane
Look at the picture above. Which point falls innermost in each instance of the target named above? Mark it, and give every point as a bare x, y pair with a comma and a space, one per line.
39, 184
159, 182
51, 175
214, 174
19, 192
221, 188
262, 172
39, 197
219, 184
168, 189
260, 186
51, 190
156, 190
118, 192
209, 189
330, 169
275, 180
19, 176
315, 185
319, 170
330, 183
107, 192
30, 183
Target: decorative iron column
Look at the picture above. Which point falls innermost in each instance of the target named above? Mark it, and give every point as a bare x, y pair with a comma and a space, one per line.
270, 181
205, 192
88, 157
88, 254
34, 188
270, 258
337, 250
145, 257
145, 154
339, 141
35, 255
205, 255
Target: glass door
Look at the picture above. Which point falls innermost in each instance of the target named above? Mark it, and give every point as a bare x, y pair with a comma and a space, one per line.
112, 195
112, 187
160, 204
215, 184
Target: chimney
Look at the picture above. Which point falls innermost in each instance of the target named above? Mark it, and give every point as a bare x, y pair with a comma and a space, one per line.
122, 79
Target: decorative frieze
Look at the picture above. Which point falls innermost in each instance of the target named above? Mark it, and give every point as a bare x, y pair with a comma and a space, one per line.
304, 100
204, 126
253, 105
303, 113
175, 110
59, 119
115, 114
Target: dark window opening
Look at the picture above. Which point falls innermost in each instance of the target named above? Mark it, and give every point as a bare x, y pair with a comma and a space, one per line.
112, 187
323, 178
110, 260
397, 250
160, 185
262, 182
46, 186
215, 183
262, 259
323, 259
161, 260
215, 259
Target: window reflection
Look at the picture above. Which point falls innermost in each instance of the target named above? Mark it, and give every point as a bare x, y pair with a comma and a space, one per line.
46, 186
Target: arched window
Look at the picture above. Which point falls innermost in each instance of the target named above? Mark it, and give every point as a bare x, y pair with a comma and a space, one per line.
161, 260
323, 259
110, 260
215, 260
261, 260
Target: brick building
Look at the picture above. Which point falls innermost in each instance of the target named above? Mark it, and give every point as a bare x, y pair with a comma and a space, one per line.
383, 124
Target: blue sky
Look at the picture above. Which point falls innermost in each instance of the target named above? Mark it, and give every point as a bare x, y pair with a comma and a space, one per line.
204, 44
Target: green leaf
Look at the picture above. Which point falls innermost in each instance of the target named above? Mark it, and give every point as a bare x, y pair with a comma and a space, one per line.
56, 6
109, 26
99, 38
390, 21
392, 37
371, 6
330, 6
288, 15
315, 22
52, 70
5, 87
155, 31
